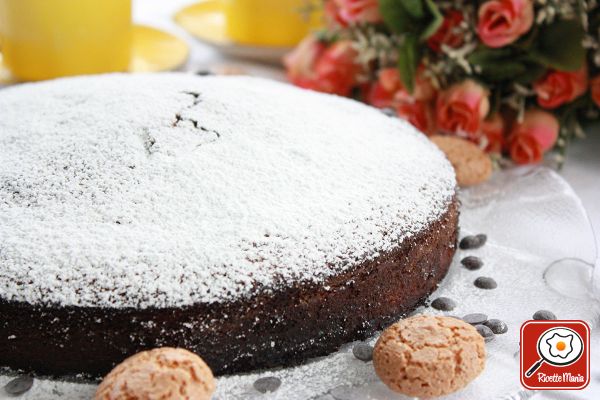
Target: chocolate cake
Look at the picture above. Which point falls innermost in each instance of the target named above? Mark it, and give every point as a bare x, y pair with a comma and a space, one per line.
251, 222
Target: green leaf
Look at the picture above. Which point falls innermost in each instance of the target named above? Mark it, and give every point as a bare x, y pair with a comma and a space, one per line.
419, 17
506, 64
414, 8
408, 61
396, 17
435, 21
560, 46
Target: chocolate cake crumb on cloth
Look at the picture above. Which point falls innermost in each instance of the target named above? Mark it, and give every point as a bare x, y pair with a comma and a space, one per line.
248, 221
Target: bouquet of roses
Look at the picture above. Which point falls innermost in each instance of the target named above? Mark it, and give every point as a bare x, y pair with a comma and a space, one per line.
516, 77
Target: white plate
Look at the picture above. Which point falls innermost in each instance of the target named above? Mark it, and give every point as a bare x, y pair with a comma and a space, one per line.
206, 21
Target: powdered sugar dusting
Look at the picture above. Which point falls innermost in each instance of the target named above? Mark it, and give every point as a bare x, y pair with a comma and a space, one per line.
169, 190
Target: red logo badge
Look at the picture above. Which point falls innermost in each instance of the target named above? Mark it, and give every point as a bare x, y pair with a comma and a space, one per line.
555, 355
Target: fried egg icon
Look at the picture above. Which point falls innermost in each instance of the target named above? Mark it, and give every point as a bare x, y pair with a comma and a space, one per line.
560, 345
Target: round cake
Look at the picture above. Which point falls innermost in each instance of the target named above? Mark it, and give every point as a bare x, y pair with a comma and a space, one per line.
253, 223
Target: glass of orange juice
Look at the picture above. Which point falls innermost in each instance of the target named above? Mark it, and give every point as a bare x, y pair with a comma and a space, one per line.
270, 22
42, 39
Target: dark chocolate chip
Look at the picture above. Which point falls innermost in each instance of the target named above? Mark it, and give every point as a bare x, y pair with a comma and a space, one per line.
471, 262
482, 237
204, 72
497, 326
267, 384
544, 315
487, 333
472, 242
19, 385
363, 351
484, 282
443, 304
475, 318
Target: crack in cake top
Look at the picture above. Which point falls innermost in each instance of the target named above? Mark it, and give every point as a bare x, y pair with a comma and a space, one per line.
170, 190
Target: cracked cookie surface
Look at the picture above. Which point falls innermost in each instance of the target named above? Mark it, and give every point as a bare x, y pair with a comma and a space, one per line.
165, 374
425, 356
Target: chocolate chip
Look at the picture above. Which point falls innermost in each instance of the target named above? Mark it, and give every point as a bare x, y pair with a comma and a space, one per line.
363, 351
497, 326
443, 304
19, 385
487, 333
484, 282
471, 262
475, 318
472, 242
204, 72
267, 384
544, 315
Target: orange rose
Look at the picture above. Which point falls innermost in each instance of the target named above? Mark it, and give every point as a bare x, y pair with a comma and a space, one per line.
524, 149
419, 113
337, 69
300, 63
502, 22
352, 11
462, 108
493, 130
332, 69
388, 88
540, 125
558, 87
383, 92
595, 88
446, 33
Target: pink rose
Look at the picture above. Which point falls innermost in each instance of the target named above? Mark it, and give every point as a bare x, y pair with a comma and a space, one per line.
462, 108
419, 113
337, 69
502, 22
524, 149
540, 125
352, 11
388, 88
332, 14
595, 88
558, 87
446, 33
325, 69
493, 130
300, 63
383, 92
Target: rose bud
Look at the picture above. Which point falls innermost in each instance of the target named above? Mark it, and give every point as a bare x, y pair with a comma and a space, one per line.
558, 87
447, 33
337, 69
419, 113
493, 130
502, 22
353, 11
524, 149
595, 88
461, 109
332, 14
382, 93
300, 63
540, 125
314, 66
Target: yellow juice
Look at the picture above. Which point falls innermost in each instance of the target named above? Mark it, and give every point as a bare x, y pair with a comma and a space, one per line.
42, 39
270, 22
